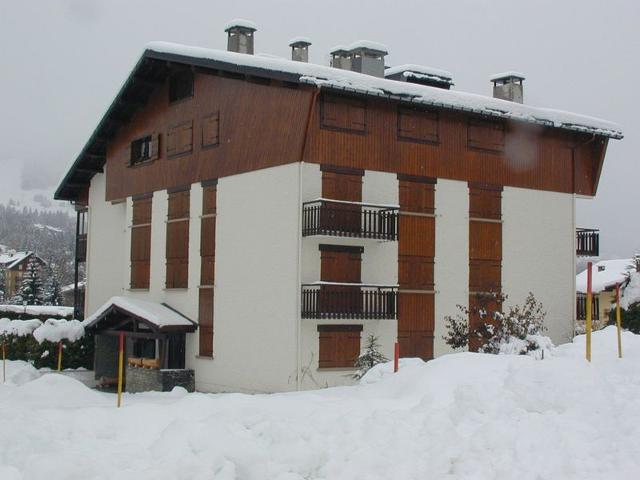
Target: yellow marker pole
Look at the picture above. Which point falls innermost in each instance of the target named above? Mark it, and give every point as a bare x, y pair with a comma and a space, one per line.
120, 367
589, 300
618, 321
60, 356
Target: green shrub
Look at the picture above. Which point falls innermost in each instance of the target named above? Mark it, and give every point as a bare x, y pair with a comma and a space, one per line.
78, 354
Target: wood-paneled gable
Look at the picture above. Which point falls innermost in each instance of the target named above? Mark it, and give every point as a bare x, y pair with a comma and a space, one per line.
229, 126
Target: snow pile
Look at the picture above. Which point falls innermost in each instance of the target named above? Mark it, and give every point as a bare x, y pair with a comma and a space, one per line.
57, 330
460, 416
19, 372
536, 346
19, 328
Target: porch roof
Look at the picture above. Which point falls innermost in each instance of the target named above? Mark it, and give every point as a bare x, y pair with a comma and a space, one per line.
158, 316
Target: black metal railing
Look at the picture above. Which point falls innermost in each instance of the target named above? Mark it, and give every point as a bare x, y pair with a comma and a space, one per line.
581, 307
349, 301
81, 248
345, 219
587, 242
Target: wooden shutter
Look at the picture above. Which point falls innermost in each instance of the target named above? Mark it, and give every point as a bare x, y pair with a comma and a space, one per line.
205, 323
418, 125
339, 345
177, 250
180, 139
485, 201
417, 196
140, 243
340, 264
211, 130
154, 149
485, 135
343, 113
208, 235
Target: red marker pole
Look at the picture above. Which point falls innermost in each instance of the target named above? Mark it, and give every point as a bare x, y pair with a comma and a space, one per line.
396, 357
589, 300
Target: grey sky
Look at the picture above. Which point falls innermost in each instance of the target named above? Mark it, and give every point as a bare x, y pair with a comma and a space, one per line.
63, 61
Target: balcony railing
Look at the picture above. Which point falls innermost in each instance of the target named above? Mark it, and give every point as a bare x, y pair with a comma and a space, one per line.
587, 242
340, 300
581, 307
349, 219
81, 248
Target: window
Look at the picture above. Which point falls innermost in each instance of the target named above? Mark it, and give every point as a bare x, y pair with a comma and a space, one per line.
180, 139
343, 113
141, 242
144, 149
485, 135
211, 130
180, 85
339, 345
417, 125
177, 252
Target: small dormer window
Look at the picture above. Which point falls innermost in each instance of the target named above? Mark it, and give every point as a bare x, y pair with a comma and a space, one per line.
144, 149
180, 85
601, 268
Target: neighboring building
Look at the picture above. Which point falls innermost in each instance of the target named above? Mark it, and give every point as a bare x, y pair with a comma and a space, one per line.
14, 264
69, 293
288, 210
606, 274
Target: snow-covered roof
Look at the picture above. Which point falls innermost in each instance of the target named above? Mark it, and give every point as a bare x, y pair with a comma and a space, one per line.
421, 72
157, 314
38, 310
509, 74
12, 259
605, 274
333, 78
240, 22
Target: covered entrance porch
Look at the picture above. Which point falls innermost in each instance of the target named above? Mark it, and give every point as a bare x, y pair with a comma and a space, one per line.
154, 347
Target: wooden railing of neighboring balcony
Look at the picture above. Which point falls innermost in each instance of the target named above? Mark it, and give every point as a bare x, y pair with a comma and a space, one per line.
342, 300
349, 219
587, 242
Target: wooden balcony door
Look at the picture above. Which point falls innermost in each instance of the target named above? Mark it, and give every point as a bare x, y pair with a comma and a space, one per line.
416, 252
340, 264
344, 185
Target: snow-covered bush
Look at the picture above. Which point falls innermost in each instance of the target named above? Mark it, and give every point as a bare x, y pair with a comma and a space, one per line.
517, 331
369, 358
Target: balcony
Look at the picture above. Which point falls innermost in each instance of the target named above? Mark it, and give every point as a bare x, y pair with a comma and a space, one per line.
581, 307
329, 300
81, 248
587, 242
349, 219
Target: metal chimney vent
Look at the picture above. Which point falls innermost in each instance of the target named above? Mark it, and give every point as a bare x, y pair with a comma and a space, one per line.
508, 86
300, 49
240, 36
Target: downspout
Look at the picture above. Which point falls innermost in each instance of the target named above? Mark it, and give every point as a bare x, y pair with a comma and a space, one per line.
312, 105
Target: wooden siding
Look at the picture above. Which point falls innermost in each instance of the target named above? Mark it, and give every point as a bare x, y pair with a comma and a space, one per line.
416, 253
258, 125
485, 248
141, 243
339, 345
177, 252
207, 269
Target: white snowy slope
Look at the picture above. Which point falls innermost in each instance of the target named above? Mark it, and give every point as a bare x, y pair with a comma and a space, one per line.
462, 416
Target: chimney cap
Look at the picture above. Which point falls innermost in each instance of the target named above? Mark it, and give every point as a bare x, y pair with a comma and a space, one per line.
373, 47
506, 76
241, 24
300, 42
338, 50
408, 71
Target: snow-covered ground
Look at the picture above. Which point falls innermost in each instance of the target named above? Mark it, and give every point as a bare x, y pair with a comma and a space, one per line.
467, 415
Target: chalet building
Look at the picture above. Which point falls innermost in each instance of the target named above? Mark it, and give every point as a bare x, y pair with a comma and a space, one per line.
13, 266
248, 220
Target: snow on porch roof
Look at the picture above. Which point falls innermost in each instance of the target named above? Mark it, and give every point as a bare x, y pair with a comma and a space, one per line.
606, 273
157, 315
329, 77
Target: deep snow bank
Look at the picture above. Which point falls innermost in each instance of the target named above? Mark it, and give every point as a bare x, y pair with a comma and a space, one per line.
461, 416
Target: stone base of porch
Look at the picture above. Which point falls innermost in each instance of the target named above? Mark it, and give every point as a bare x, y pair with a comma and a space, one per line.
144, 379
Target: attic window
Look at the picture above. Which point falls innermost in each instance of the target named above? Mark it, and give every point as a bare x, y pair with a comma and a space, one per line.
601, 268
144, 149
180, 85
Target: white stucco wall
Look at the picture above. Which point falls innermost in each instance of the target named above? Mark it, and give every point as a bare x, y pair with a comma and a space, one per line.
255, 300
379, 266
538, 235
451, 268
107, 251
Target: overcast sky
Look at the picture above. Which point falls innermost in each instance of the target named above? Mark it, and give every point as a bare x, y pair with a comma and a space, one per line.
64, 60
